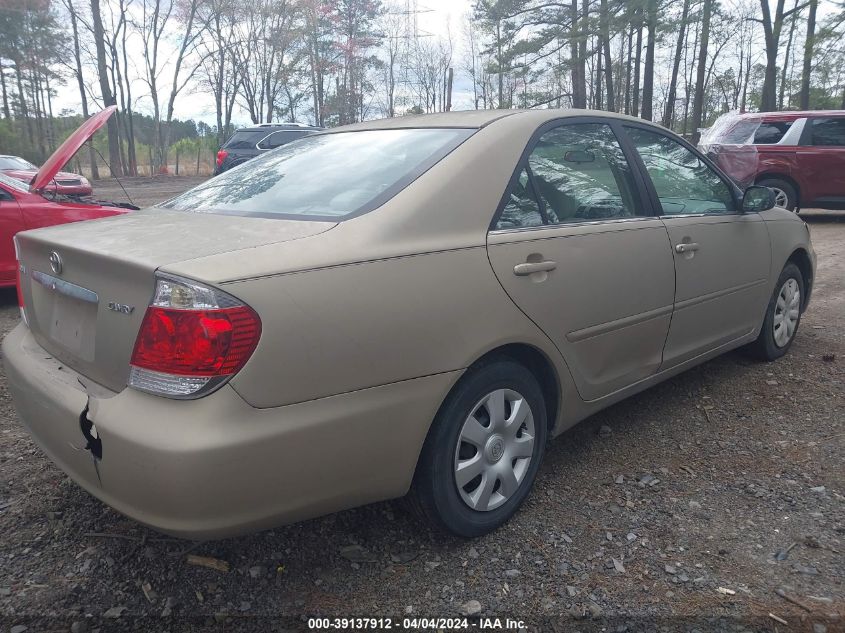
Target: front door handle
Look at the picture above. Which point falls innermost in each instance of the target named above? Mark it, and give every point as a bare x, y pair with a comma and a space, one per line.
686, 247
522, 270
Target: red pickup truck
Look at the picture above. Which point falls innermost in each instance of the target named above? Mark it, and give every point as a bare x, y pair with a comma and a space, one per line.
800, 155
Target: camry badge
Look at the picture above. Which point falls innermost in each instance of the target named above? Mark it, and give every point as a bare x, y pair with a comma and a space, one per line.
56, 263
121, 307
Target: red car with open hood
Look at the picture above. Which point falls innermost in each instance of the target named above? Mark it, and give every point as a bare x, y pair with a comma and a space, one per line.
35, 205
64, 183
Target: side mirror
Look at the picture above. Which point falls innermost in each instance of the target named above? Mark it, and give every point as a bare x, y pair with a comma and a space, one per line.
757, 198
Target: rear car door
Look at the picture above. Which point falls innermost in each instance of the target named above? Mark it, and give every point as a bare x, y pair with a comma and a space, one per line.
821, 156
11, 222
576, 247
722, 256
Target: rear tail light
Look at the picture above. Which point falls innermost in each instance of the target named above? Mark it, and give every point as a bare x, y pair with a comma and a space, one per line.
221, 156
192, 340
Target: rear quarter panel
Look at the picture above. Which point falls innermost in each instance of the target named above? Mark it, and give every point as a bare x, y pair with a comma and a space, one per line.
344, 328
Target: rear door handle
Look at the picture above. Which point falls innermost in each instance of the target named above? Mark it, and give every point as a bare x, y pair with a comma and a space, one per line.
686, 247
522, 270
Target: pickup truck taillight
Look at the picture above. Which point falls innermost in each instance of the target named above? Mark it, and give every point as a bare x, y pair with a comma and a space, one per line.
192, 340
221, 156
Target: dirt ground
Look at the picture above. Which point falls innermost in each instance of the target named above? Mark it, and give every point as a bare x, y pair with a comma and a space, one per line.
142, 191
711, 502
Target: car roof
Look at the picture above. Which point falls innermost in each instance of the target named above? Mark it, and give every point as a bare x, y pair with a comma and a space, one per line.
272, 127
789, 115
479, 119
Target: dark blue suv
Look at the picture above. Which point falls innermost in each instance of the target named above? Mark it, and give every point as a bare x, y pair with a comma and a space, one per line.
252, 141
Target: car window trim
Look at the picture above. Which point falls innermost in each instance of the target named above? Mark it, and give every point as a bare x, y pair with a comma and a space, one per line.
647, 204
732, 187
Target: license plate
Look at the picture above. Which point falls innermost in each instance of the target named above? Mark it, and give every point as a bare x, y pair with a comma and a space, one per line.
67, 313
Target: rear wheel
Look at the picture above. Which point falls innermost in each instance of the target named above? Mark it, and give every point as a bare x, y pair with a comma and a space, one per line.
783, 315
785, 194
482, 453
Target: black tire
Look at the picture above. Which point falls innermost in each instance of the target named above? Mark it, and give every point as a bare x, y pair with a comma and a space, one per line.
434, 493
786, 187
765, 347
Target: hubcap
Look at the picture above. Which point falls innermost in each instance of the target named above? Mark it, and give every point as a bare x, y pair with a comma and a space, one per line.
781, 199
787, 310
494, 450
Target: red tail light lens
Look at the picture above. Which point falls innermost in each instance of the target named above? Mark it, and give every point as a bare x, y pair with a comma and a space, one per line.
196, 342
192, 339
221, 156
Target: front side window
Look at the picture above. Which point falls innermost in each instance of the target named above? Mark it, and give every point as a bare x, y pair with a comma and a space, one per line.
575, 173
829, 131
324, 176
685, 184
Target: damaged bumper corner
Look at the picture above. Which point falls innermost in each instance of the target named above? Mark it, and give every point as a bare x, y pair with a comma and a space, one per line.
215, 466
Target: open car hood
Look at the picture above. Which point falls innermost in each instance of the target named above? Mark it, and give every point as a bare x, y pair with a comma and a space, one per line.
66, 150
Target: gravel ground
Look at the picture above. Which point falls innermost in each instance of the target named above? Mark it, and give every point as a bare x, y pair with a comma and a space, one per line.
728, 477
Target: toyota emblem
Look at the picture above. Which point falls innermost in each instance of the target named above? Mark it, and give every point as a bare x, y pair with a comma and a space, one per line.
56, 263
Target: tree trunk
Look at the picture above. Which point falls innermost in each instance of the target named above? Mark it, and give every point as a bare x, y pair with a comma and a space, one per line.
579, 97
771, 31
7, 113
635, 107
804, 99
108, 97
648, 78
698, 103
604, 18
628, 69
77, 55
669, 112
786, 59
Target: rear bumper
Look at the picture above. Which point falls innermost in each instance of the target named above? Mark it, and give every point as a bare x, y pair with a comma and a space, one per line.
216, 467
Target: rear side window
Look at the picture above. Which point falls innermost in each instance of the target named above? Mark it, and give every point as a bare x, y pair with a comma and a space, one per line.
829, 131
772, 132
245, 139
575, 173
324, 176
277, 139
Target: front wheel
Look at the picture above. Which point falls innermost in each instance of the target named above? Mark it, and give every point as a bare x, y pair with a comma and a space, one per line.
482, 453
783, 315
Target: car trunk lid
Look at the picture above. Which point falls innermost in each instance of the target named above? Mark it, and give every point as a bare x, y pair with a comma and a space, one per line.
86, 286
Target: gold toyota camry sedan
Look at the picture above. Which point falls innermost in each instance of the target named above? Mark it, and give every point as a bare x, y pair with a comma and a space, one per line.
408, 306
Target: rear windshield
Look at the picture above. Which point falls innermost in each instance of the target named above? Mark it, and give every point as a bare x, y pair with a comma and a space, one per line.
245, 139
739, 134
324, 176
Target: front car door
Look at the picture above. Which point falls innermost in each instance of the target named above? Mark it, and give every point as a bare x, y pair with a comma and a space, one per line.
821, 156
576, 247
722, 256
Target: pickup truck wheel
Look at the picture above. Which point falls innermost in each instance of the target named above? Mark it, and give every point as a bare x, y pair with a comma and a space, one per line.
785, 194
483, 450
